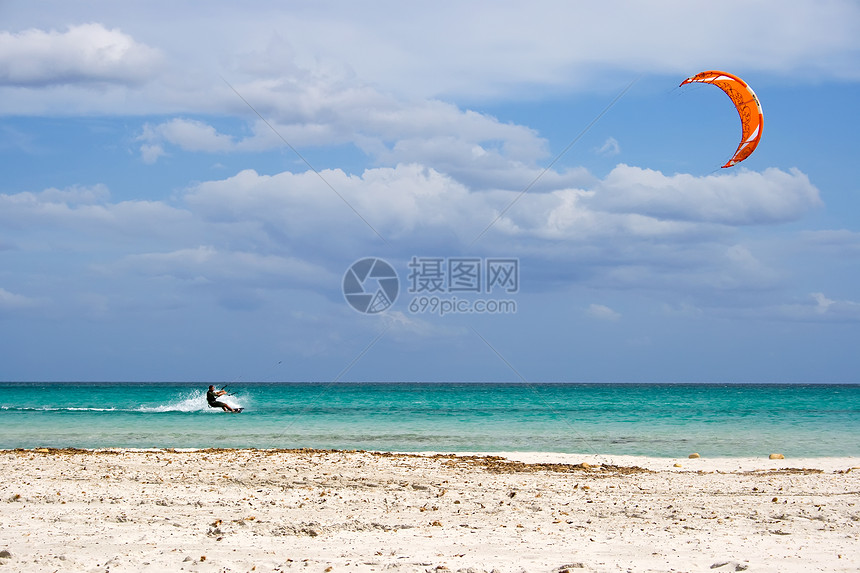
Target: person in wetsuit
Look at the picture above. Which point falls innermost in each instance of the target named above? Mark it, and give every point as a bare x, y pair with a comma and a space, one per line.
212, 399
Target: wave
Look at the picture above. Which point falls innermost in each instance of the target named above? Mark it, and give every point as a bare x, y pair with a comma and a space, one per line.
58, 409
194, 401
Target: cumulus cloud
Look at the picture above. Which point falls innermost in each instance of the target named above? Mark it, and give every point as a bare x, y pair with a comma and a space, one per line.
189, 134
397, 202
737, 198
817, 308
602, 312
209, 264
10, 301
439, 54
432, 55
150, 153
408, 327
839, 241
475, 148
85, 53
412, 203
90, 212
609, 148
414, 206
633, 228
822, 303
646, 204
568, 48
76, 195
255, 224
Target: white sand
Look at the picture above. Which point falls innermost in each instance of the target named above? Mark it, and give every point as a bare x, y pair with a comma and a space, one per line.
251, 510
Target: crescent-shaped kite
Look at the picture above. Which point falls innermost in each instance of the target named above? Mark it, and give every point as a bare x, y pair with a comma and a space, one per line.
747, 105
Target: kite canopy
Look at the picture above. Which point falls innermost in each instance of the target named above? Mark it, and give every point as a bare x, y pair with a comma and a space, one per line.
747, 105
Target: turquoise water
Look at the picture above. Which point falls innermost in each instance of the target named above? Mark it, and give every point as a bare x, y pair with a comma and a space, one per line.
665, 420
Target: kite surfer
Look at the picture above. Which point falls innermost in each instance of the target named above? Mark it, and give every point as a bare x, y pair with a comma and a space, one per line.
212, 398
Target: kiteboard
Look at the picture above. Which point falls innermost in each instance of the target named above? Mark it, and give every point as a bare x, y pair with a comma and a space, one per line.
237, 410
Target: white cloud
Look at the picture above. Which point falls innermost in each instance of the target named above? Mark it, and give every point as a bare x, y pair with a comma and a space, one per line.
150, 153
398, 202
738, 198
189, 134
84, 53
609, 148
819, 308
602, 312
683, 309
634, 228
206, 264
483, 49
411, 204
406, 327
414, 51
475, 148
646, 204
255, 225
822, 302
839, 241
10, 301
90, 213
76, 194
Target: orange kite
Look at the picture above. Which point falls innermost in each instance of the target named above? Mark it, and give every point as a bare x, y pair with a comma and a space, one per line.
747, 105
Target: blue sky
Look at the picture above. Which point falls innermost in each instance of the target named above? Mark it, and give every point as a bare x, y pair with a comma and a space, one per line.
154, 227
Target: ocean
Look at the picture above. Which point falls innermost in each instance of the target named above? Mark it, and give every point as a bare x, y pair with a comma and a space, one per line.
661, 420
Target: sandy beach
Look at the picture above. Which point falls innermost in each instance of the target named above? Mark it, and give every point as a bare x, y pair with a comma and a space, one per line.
262, 510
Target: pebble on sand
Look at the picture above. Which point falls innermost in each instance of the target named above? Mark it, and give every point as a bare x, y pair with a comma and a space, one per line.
694, 456
776, 457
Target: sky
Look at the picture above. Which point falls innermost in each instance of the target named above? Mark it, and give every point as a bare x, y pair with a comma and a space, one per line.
186, 186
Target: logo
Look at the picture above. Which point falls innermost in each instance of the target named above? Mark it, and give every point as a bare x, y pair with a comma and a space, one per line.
429, 275
370, 285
